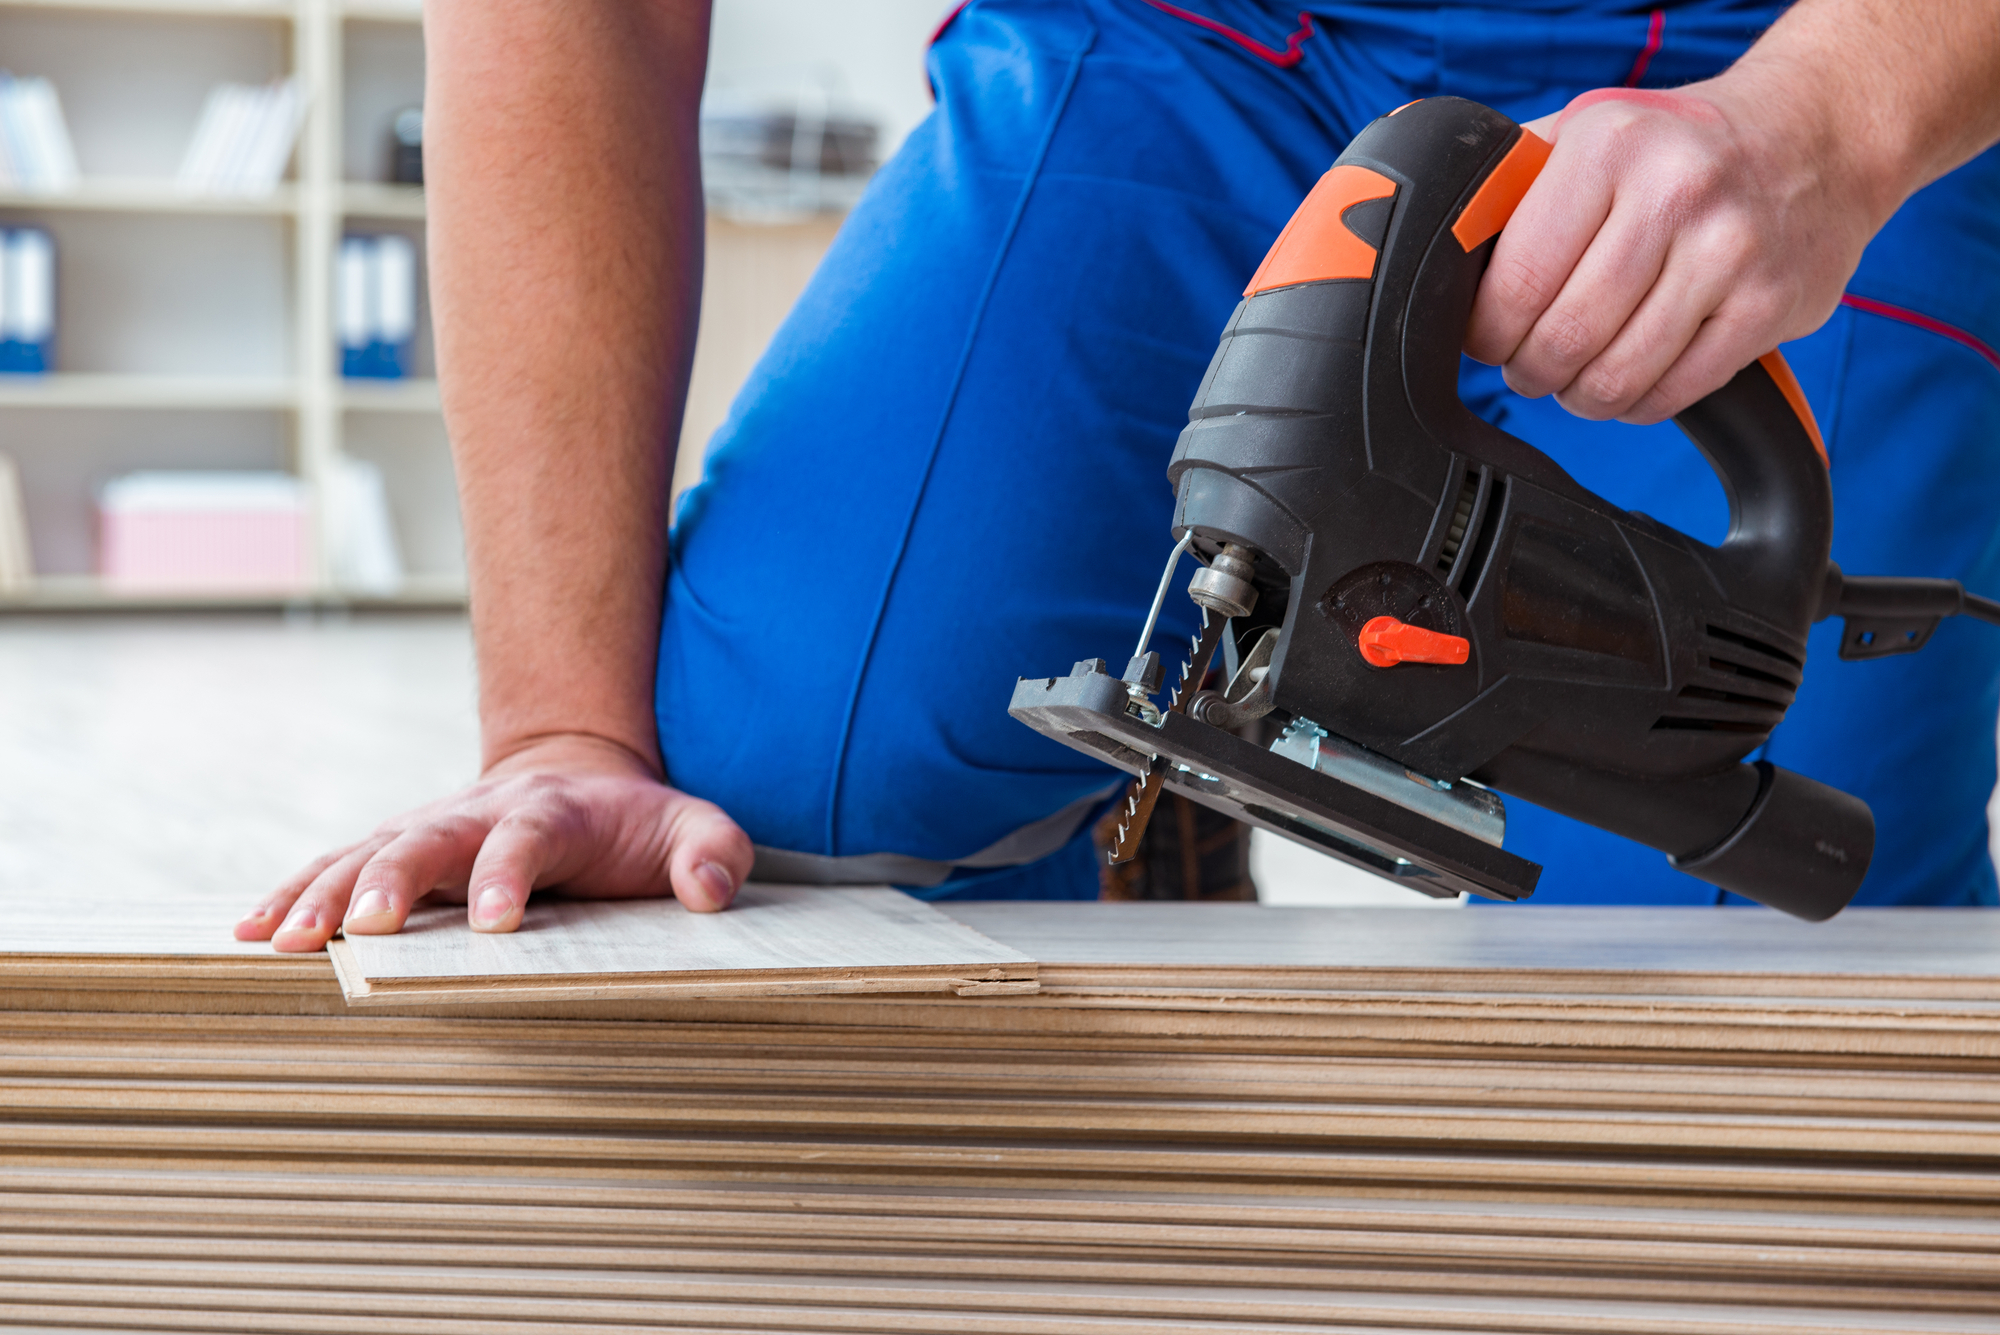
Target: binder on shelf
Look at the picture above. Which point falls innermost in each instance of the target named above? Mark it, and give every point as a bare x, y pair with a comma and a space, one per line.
784, 152
376, 306
27, 301
204, 532
17, 567
406, 147
35, 150
243, 139
362, 554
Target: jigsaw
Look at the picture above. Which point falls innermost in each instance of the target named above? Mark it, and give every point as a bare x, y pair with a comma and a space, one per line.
1419, 613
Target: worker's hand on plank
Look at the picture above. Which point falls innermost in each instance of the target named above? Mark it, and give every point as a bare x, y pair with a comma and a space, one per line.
578, 812
1674, 237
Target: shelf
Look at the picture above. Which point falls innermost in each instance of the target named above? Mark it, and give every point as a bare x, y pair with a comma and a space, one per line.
229, 9
364, 199
273, 257
85, 593
389, 396
114, 195
383, 11
146, 391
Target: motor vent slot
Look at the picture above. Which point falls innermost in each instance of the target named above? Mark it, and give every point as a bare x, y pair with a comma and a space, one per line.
1748, 673
1706, 709
1743, 686
1484, 531
1677, 723
1724, 697
1461, 520
1729, 639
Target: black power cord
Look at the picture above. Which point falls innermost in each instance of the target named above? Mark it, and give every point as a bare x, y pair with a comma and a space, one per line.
1888, 616
1984, 608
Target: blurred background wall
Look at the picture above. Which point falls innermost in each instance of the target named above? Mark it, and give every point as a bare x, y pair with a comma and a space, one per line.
211, 268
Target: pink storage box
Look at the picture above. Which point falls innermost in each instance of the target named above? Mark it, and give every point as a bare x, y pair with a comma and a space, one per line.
204, 532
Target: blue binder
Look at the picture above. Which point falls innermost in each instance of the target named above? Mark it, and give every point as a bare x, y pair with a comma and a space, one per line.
376, 306
27, 301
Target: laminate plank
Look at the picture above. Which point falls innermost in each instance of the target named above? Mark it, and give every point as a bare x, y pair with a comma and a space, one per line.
942, 1306
986, 1162
122, 1319
774, 940
765, 1066
1856, 1281
1518, 1028
1004, 1248
1524, 1181
1470, 1125
576, 1203
1495, 1232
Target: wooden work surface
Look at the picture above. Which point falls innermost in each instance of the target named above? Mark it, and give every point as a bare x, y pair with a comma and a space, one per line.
1961, 943
1210, 1120
1861, 953
1191, 948
1924, 942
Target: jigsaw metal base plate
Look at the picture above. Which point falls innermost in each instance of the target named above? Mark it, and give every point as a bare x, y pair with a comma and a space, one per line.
1087, 711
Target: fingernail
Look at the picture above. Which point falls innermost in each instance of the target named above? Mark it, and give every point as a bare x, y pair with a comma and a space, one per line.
369, 904
492, 906
721, 885
255, 915
303, 919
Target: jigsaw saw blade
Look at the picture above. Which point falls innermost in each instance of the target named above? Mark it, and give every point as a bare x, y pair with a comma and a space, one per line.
1145, 790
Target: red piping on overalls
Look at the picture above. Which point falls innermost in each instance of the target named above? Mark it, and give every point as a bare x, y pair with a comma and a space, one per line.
936, 33
1924, 322
1284, 59
1655, 32
945, 22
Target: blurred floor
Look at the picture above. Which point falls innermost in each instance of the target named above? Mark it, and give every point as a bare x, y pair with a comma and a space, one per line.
210, 753
220, 753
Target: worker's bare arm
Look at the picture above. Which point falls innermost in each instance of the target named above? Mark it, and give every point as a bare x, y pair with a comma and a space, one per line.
565, 223
1676, 236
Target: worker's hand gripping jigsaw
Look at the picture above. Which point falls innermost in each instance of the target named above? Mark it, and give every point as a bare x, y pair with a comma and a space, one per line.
1422, 599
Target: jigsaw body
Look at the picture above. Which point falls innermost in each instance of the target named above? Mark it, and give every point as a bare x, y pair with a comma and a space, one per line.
1422, 599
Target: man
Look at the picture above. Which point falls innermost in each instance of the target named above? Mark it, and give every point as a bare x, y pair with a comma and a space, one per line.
947, 470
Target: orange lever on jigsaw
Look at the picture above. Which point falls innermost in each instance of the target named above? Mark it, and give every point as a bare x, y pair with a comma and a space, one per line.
1386, 642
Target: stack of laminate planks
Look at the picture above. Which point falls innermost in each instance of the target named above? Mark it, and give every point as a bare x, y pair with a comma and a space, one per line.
1211, 1118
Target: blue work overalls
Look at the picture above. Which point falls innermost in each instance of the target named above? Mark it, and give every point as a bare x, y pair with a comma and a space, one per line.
949, 468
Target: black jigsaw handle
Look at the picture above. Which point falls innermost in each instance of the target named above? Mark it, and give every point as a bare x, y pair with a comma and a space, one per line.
1455, 160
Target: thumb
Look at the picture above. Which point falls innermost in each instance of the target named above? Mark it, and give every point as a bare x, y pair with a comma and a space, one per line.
711, 857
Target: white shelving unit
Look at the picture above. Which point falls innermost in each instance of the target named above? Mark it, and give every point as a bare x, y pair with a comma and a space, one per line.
197, 332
